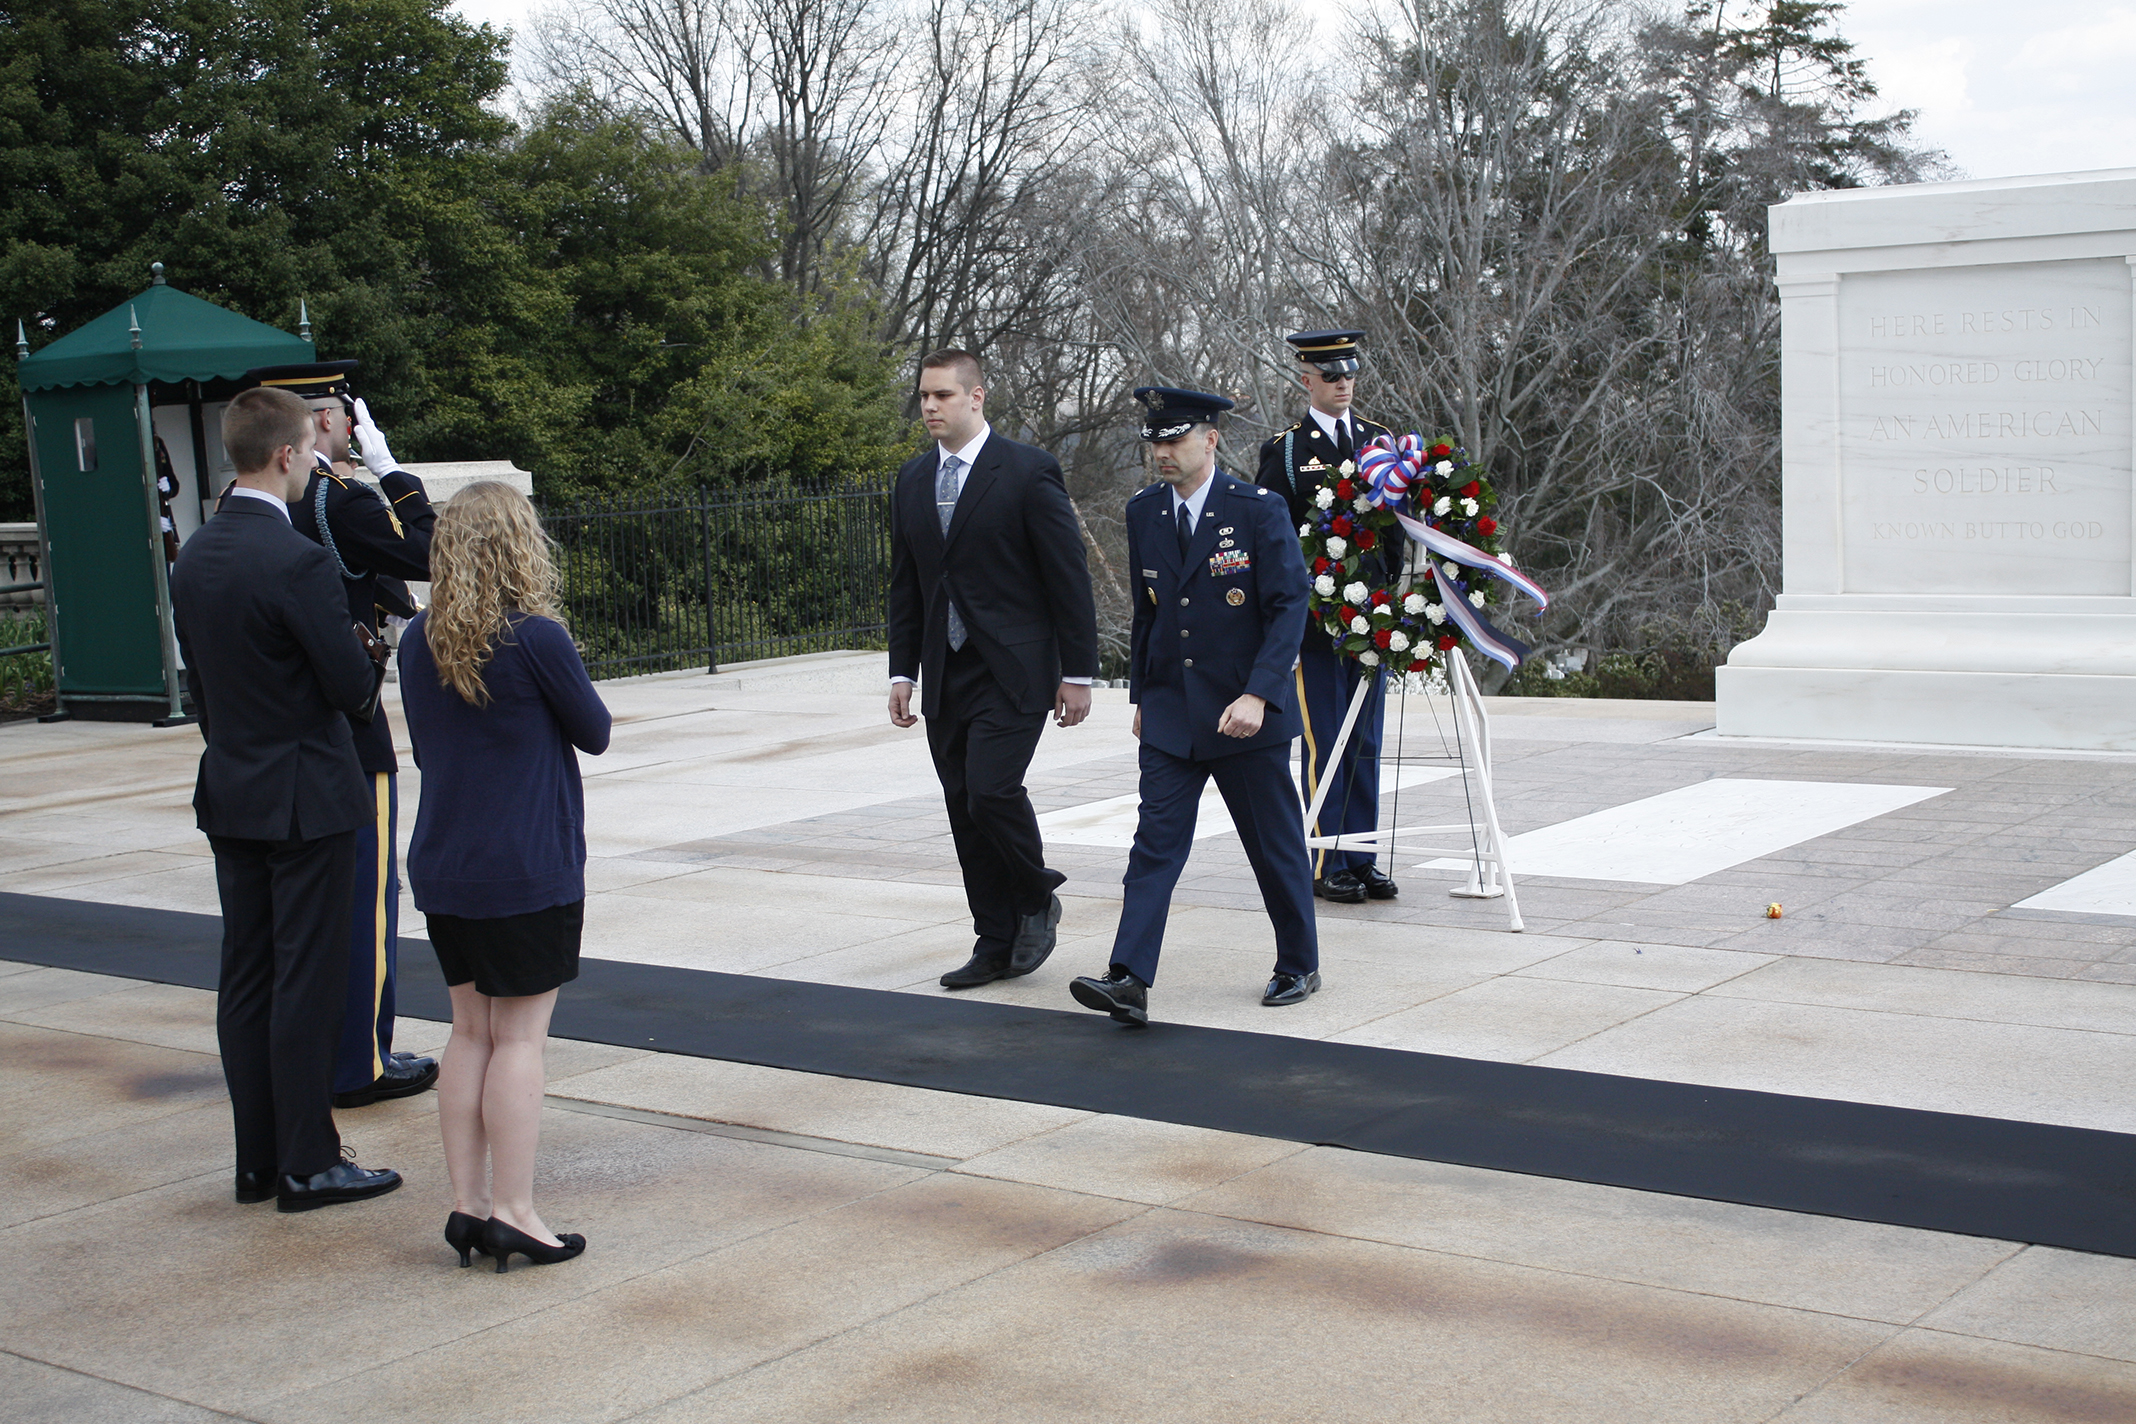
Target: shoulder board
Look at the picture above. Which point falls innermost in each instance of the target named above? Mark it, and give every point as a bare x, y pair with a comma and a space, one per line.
1144, 491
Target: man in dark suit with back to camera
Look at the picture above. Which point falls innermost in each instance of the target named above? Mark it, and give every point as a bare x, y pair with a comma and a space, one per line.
1298, 463
275, 663
991, 612
378, 536
1219, 607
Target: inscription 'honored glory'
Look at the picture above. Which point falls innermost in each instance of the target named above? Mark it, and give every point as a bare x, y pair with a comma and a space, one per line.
1984, 423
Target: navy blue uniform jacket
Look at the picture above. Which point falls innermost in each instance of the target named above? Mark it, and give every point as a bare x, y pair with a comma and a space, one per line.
1226, 621
378, 544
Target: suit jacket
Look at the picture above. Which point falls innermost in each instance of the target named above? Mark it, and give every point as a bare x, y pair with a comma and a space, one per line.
1013, 561
1224, 620
377, 543
274, 666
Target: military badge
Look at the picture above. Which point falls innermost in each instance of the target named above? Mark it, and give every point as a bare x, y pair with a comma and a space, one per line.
1235, 597
1229, 561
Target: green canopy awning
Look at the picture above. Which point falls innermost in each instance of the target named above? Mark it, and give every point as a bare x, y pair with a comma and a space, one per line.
182, 339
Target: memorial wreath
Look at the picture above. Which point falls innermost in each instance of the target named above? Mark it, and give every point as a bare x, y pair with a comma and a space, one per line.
1437, 504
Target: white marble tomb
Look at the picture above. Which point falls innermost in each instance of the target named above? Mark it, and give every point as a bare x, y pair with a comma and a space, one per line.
1959, 536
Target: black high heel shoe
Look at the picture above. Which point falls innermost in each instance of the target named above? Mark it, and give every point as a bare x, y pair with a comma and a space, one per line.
464, 1234
501, 1240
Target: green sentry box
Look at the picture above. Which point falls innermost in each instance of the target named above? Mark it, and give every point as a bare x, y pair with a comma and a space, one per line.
91, 402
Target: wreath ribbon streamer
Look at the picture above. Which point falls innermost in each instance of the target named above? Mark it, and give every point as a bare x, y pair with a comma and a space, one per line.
1390, 465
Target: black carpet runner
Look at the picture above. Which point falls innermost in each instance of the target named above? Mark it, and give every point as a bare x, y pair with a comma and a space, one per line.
2015, 1181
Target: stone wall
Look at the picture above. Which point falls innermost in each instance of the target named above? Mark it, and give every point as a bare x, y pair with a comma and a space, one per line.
19, 564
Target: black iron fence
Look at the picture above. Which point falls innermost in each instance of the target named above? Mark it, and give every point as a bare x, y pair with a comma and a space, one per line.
703, 577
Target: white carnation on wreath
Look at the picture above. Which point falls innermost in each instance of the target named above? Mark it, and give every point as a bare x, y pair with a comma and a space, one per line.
1305, 530
1443, 468
1368, 658
1361, 504
1445, 503
1476, 598
1324, 586
1360, 624
1451, 570
1435, 613
1397, 641
1414, 604
1469, 507
1324, 497
1337, 548
1355, 593
1347, 467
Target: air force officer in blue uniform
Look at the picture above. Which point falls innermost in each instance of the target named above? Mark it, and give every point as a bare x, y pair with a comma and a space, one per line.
1219, 589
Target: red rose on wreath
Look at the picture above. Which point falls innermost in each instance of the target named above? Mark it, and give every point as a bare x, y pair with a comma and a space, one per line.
1322, 564
1341, 527
1383, 637
1446, 641
1441, 450
1420, 665
1471, 489
1345, 490
1366, 538
1487, 526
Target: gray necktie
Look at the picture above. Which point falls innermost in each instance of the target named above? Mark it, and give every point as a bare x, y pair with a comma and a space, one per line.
946, 508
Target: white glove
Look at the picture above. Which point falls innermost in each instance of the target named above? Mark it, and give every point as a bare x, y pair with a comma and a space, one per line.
371, 443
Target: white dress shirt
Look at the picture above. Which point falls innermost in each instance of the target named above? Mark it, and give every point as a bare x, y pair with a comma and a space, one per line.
1193, 502
1329, 424
250, 493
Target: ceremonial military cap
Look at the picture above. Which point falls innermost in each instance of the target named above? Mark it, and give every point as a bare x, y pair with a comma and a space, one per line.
315, 380
1335, 353
1169, 414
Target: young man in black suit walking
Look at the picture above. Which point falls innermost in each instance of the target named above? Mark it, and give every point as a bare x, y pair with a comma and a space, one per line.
991, 613
274, 662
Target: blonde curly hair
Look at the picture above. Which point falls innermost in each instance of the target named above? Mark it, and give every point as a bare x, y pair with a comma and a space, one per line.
489, 557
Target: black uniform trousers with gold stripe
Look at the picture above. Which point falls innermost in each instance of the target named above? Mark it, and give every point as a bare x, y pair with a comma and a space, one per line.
1326, 684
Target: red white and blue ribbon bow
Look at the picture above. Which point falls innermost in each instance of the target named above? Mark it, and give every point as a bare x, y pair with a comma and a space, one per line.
1390, 467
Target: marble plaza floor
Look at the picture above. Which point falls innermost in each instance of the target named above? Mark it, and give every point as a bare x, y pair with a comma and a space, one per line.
774, 1245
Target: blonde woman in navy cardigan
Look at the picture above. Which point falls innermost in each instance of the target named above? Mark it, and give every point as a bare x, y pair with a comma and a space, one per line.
496, 698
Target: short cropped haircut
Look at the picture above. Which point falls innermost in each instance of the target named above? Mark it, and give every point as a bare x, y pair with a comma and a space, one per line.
963, 363
259, 422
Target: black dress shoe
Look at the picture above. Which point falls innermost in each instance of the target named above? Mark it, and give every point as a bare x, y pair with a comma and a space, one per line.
1340, 886
984, 967
402, 1079
342, 1182
255, 1187
1376, 882
1290, 989
1119, 993
1035, 936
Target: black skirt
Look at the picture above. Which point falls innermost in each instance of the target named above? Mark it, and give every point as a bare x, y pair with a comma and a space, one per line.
511, 956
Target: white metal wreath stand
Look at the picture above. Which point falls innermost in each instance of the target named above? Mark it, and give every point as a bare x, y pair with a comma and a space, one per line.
1489, 875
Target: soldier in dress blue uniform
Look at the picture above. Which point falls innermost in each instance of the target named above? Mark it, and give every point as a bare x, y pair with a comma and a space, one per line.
1220, 593
380, 536
1297, 463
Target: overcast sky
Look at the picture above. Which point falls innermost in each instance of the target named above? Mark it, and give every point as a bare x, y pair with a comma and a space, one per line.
2003, 86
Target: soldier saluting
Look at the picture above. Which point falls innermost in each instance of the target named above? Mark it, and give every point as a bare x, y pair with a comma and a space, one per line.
379, 538
1297, 463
